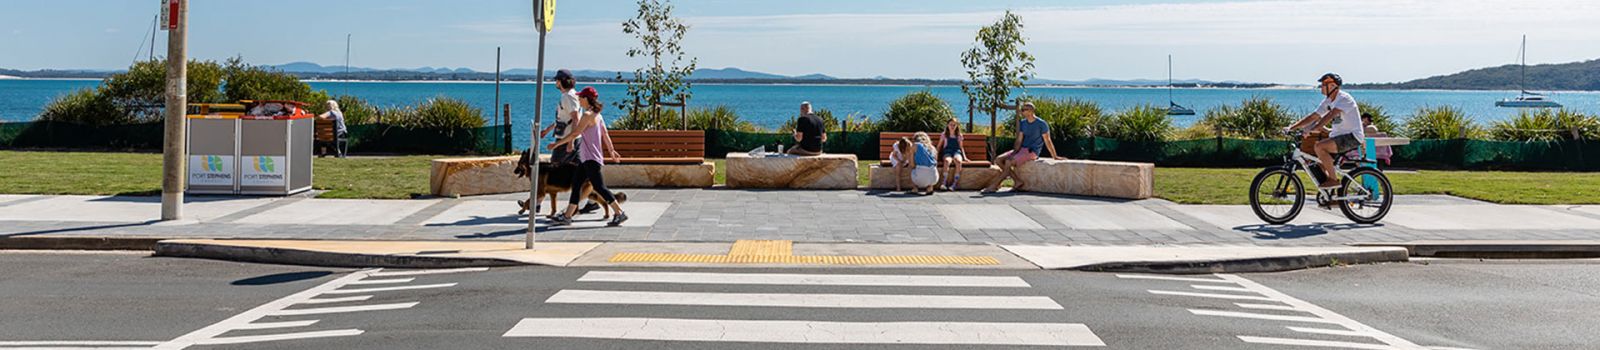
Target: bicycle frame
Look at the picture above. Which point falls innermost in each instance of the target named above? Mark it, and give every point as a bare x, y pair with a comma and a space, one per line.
1299, 161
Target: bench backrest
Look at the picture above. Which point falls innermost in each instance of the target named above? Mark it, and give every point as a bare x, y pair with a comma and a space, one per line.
324, 130
975, 145
659, 144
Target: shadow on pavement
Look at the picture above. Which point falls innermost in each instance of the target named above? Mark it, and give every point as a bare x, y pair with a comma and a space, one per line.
76, 229
281, 278
1298, 231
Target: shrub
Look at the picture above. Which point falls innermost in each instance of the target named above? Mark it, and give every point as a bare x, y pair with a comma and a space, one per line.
720, 117
1381, 119
831, 123
648, 119
1138, 123
356, 110
436, 113
1440, 123
247, 82
1255, 118
141, 91
917, 111
1545, 125
87, 107
1069, 118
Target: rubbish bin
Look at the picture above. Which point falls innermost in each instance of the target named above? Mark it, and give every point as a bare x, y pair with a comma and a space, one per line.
263, 148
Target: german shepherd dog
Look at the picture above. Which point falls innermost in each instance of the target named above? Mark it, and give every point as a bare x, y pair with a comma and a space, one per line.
562, 182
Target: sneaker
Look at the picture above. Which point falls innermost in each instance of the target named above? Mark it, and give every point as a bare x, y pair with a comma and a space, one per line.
618, 220
560, 220
589, 209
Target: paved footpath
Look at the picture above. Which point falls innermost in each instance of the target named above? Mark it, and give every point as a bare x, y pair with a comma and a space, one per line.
720, 215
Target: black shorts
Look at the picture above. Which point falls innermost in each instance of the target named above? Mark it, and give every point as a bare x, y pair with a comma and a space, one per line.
1346, 143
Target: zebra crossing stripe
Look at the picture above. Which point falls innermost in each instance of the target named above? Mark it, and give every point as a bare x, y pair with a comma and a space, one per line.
805, 279
862, 301
812, 332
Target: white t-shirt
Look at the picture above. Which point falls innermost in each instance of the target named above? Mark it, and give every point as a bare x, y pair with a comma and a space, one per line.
1349, 121
569, 105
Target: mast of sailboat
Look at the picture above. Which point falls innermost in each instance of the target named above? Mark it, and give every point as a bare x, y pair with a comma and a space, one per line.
347, 56
1522, 55
1169, 81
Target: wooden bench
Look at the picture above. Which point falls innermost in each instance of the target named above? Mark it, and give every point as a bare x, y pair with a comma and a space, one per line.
659, 159
976, 146
975, 174
326, 139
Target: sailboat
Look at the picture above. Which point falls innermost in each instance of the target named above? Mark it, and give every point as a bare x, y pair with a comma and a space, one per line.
1526, 99
1173, 108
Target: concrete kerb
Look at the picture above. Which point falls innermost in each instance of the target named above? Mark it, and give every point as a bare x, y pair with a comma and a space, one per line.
1201, 260
388, 254
1496, 249
286, 256
78, 243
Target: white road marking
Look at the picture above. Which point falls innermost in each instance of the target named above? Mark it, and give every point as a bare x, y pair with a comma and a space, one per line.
387, 281
1211, 295
804, 279
341, 309
78, 343
285, 336
427, 272
1317, 343
214, 330
388, 289
1266, 307
1343, 332
1261, 316
52, 347
1171, 278
1220, 288
1393, 341
810, 332
335, 300
271, 325
864, 301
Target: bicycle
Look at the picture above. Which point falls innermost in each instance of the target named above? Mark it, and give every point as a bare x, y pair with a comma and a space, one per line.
1365, 195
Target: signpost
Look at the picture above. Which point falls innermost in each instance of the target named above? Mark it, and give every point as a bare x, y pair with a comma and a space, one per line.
544, 19
174, 146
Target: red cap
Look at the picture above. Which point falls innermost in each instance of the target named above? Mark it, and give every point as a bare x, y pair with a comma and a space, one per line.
589, 92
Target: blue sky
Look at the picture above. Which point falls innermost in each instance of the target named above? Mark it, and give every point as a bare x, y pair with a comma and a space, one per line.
1265, 41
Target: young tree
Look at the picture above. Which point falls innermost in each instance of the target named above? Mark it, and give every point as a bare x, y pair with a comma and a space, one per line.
660, 36
997, 63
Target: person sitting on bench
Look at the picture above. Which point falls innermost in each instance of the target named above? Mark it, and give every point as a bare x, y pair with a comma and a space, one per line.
810, 132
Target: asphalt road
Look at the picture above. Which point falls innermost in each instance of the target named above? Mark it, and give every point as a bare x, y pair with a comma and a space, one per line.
129, 300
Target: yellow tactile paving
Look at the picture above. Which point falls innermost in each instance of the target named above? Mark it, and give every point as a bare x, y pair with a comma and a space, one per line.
782, 252
745, 247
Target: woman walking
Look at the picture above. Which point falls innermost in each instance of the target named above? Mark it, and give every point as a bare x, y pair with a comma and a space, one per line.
950, 152
594, 135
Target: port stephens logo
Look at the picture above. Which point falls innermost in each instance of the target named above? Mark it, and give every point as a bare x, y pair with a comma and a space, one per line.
214, 164
264, 164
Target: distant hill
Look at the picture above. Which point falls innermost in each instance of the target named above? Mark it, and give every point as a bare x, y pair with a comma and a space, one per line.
1579, 76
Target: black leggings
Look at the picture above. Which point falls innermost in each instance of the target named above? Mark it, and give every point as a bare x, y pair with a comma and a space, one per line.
589, 171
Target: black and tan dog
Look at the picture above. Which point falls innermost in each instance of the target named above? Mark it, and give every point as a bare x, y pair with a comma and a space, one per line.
555, 180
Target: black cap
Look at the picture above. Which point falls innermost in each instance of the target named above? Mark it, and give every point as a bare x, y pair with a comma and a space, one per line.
1336, 79
563, 75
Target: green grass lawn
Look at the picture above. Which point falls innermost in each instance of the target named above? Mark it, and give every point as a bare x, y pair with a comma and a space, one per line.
94, 173
405, 177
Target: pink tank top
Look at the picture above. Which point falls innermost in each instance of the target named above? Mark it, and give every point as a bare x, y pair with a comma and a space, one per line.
589, 142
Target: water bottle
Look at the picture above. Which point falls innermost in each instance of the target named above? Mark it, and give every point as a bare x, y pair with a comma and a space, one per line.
780, 149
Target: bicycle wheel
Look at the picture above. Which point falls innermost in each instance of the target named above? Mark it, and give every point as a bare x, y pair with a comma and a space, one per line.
1376, 196
1276, 195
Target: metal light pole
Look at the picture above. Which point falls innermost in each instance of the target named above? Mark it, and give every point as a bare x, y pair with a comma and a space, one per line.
544, 12
174, 156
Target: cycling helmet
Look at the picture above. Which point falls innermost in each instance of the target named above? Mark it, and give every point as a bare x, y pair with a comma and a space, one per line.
1336, 79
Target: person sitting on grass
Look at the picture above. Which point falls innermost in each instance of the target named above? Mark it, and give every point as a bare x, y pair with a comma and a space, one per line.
951, 154
809, 132
924, 173
1033, 135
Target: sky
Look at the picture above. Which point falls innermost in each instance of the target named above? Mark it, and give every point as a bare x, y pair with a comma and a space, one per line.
1274, 41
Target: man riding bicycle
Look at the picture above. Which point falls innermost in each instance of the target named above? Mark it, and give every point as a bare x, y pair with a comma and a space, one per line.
1347, 133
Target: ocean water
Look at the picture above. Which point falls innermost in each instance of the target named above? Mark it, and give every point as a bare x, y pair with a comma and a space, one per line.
772, 105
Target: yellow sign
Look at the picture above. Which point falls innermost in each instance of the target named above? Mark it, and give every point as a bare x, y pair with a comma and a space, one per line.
544, 15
